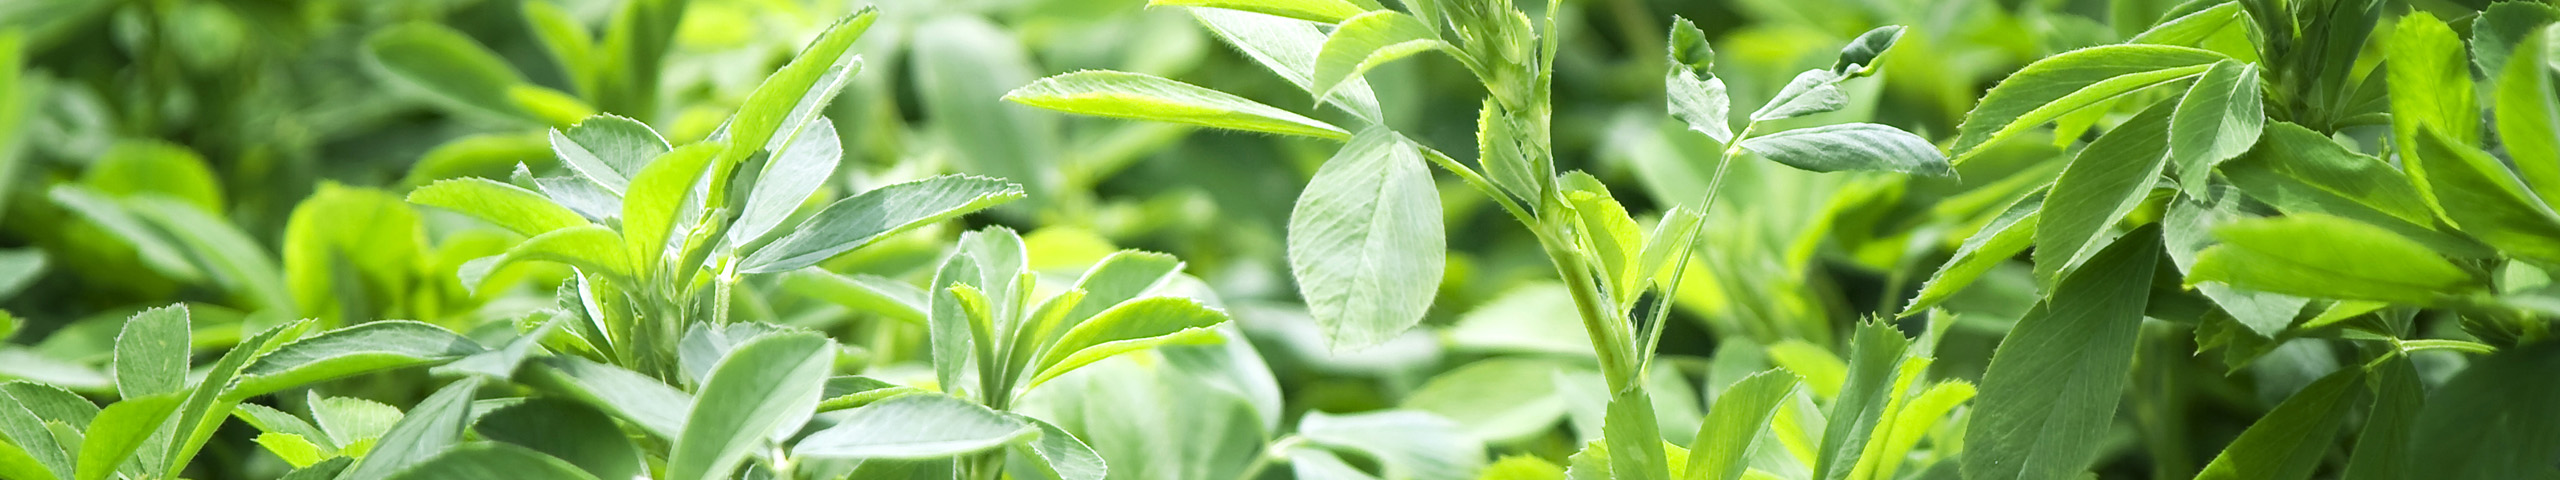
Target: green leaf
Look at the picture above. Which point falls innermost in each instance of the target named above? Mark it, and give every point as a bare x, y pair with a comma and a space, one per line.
567, 39
2222, 28
2430, 81
2322, 256
793, 96
1320, 11
325, 470
1852, 146
501, 363
1366, 41
2052, 386
212, 398
761, 391
1139, 96
1630, 434
887, 297
118, 431
963, 65
268, 419
134, 167
568, 431
786, 183
1812, 92
655, 204
2288, 443
2219, 118
369, 347
2507, 28
296, 450
1876, 363
2060, 84
1318, 464
1409, 444
451, 67
608, 149
2382, 443
509, 206
1617, 243
851, 391
353, 421
1498, 399
1524, 467
1503, 149
236, 261
1055, 455
2007, 235
1694, 94
1858, 58
1365, 241
2188, 229
1288, 47
855, 222
2297, 169
1132, 326
1734, 422
493, 460
654, 407
886, 430
18, 268
2485, 423
434, 425
2485, 200
2100, 186
350, 252
592, 247
155, 249
1123, 276
151, 352
32, 446
2528, 114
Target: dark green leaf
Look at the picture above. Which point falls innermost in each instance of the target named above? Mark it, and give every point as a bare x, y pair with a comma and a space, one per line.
2288, 443
492, 460
2052, 386
151, 353
1322, 11
2060, 84
2102, 185
2219, 118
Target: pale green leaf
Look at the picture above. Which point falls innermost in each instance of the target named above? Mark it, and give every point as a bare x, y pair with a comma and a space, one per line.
2327, 257
795, 172
2430, 81
922, 426
592, 247
1139, 96
118, 431
1321, 11
1365, 241
762, 390
1366, 41
1498, 399
655, 204
509, 206
151, 352
353, 421
1409, 444
1693, 93
1812, 92
294, 449
654, 407
1288, 47
851, 391
608, 149
1617, 243
1852, 146
1055, 455
855, 222
887, 297
2482, 198
1858, 58
1131, 326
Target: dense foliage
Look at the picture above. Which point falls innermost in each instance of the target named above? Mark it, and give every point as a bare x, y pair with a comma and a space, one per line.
1263, 239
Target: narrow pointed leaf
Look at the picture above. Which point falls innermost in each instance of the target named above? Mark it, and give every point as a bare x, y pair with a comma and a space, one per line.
854, 222
1812, 92
2219, 118
509, 206
1139, 96
2101, 185
369, 347
2288, 443
2053, 383
2060, 84
1132, 326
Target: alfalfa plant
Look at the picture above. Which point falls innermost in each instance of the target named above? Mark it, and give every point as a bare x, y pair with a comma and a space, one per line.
1365, 240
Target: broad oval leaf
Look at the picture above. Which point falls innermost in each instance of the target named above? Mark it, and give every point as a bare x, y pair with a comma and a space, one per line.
765, 388
509, 206
1365, 241
1366, 41
1852, 146
2060, 84
1321, 11
493, 460
2219, 118
2053, 384
1139, 96
369, 347
922, 426
151, 352
2323, 256
608, 149
854, 222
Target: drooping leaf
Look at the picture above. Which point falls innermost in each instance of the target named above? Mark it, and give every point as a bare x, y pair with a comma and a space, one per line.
1366, 41
2288, 443
915, 427
2219, 118
2101, 185
1139, 96
369, 347
1852, 146
761, 391
1365, 241
2061, 84
437, 423
854, 222
1321, 11
2053, 383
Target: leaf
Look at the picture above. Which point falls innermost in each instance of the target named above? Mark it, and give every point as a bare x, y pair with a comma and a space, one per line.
119, 429
368, 347
1366, 41
434, 425
509, 206
592, 247
655, 204
19, 268
1617, 243
1694, 94
349, 252
2060, 84
2052, 386
154, 248
501, 363
1503, 149
29, 446
1409, 444
2188, 229
2430, 81
2219, 118
296, 450
792, 97
2486, 424
493, 460
1132, 326
762, 390
1523, 467
2483, 199
2382, 443
795, 172
1365, 241
237, 261
1852, 146
2506, 28
887, 297
1858, 58
1877, 354
851, 391
2288, 443
1056, 454
353, 421
449, 65
1320, 11
2100, 186
1814, 91
213, 396
654, 407
570, 432
1123, 276
2322, 256
915, 427
1288, 47
2527, 112
1497, 399
2216, 28
151, 352
1318, 464
855, 222
1630, 434
325, 470
1138, 96
1734, 423
2007, 235
608, 150
2292, 165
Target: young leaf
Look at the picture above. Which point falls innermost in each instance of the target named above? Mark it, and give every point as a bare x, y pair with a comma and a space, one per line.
492, 460
1131, 326
855, 222
655, 204
151, 353
793, 96
212, 397
854, 391
1616, 242
1320, 11
2053, 384
2218, 119
1694, 94
1852, 146
1123, 276
762, 390
2430, 81
1139, 96
593, 248
2060, 84
2188, 229
1056, 454
28, 445
368, 347
432, 426
1814, 91
1858, 59
2528, 114
353, 422
1365, 241
607, 149
1504, 150
2323, 256
509, 206
115, 434
1366, 41
2101, 185
920, 426
2483, 199
1877, 353
1734, 422
2288, 443
296, 450
2382, 443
